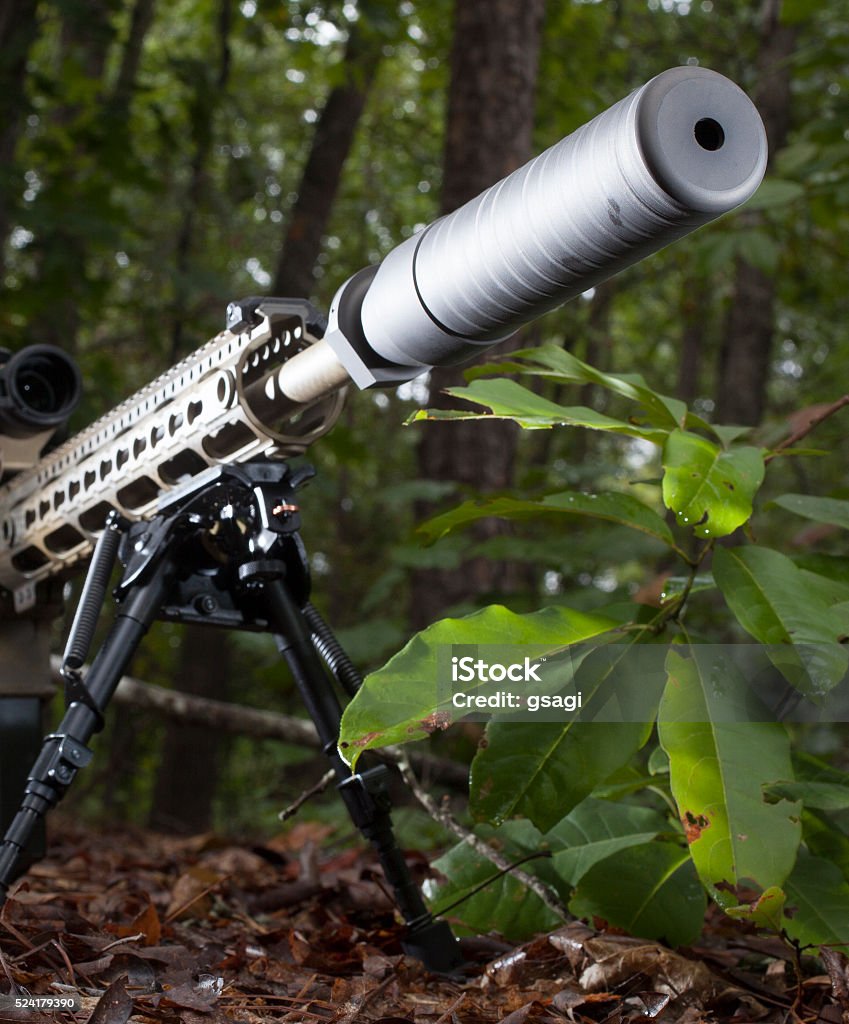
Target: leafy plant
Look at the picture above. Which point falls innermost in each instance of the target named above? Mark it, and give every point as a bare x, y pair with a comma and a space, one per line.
667, 779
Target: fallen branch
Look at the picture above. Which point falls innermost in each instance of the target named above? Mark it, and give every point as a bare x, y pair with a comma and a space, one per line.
254, 722
823, 413
441, 814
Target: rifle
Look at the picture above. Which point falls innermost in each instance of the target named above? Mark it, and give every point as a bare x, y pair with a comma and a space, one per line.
201, 451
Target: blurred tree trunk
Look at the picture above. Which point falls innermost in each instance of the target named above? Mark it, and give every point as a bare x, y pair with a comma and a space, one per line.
208, 92
99, 147
18, 30
747, 344
694, 307
488, 134
191, 756
140, 21
334, 135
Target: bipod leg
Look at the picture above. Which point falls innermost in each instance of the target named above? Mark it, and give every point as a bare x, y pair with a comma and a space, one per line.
364, 793
64, 751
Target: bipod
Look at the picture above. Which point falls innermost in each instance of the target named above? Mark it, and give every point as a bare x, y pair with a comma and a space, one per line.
224, 550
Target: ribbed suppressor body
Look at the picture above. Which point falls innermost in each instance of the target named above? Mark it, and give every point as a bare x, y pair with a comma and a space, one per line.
682, 150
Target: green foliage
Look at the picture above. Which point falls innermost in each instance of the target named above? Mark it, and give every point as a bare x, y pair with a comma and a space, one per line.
709, 489
403, 700
720, 756
742, 820
649, 889
541, 770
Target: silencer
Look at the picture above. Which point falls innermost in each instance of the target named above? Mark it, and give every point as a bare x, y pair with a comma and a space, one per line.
679, 152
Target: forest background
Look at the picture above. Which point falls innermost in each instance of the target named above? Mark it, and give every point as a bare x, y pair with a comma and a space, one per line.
158, 160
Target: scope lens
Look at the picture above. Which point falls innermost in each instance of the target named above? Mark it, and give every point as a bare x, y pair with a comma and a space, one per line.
38, 391
42, 386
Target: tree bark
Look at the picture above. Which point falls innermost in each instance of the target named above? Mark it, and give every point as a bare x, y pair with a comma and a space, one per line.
125, 83
201, 116
695, 301
334, 135
488, 134
95, 134
747, 344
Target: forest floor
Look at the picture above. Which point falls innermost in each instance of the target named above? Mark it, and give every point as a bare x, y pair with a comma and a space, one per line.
141, 927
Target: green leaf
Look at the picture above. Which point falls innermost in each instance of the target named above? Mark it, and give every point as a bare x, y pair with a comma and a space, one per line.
509, 400
774, 602
727, 433
623, 509
595, 829
824, 838
559, 364
718, 764
651, 891
504, 905
821, 510
541, 770
775, 192
709, 489
766, 912
817, 903
825, 796
759, 249
411, 696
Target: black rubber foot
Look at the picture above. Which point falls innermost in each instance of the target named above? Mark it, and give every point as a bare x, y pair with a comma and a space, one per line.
435, 945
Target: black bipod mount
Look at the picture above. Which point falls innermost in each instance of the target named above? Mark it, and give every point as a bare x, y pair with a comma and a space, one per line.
223, 550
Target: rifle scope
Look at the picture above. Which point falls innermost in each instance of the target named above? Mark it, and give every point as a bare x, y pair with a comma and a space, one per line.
679, 152
40, 387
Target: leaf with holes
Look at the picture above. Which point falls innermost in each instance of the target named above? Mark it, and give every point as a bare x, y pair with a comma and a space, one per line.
708, 489
719, 760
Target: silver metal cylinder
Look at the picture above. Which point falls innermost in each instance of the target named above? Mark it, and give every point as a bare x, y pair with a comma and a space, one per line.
680, 151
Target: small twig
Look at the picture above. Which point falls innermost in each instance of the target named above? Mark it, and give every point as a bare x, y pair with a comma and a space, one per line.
62, 952
454, 1006
548, 896
814, 421
121, 942
511, 869
308, 794
8, 973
